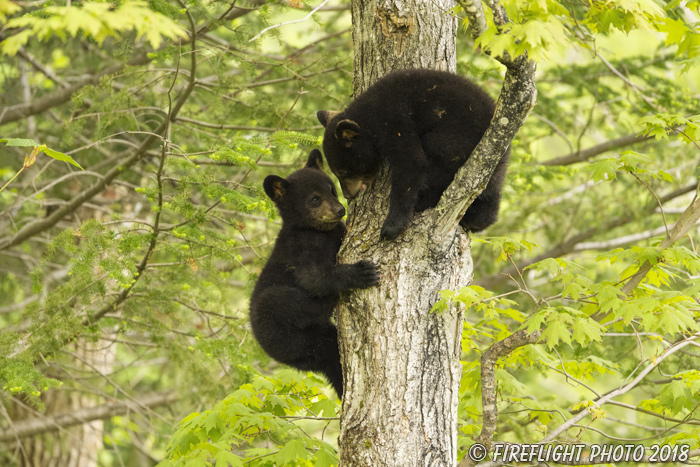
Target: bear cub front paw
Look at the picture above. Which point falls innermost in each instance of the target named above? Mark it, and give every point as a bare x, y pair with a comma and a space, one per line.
393, 226
366, 274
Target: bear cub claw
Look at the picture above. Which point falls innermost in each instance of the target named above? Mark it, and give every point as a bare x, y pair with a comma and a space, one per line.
367, 274
392, 227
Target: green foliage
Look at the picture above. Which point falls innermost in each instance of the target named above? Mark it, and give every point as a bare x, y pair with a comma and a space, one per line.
265, 407
661, 125
504, 246
95, 20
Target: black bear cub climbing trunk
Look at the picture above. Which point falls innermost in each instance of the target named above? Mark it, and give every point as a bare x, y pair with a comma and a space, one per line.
425, 124
294, 298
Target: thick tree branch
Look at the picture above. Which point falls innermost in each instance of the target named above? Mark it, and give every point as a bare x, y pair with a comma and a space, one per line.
35, 426
489, 359
585, 154
18, 112
475, 13
517, 98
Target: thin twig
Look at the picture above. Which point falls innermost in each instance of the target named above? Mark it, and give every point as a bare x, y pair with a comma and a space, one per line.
290, 22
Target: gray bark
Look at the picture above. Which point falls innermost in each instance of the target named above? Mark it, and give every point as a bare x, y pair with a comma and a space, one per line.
400, 361
390, 35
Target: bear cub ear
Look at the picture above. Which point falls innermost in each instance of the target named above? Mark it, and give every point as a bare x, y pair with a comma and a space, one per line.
347, 131
275, 187
325, 116
315, 160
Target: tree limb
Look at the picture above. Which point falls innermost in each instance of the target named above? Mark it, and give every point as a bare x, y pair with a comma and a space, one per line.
619, 391
18, 112
687, 220
488, 383
516, 100
585, 154
35, 426
569, 245
475, 14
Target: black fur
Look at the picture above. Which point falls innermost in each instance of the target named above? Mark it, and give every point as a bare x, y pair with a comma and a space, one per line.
292, 303
425, 123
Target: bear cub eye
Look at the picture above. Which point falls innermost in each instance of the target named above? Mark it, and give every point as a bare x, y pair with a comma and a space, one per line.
315, 199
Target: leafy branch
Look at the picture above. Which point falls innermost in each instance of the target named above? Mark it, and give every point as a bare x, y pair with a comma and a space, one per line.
572, 243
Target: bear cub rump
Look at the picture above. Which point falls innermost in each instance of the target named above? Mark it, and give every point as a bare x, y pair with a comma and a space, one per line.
425, 124
294, 297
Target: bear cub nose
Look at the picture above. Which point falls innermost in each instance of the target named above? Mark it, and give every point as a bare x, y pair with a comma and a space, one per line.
340, 211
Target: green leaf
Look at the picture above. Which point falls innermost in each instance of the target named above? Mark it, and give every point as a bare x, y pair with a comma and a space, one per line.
290, 452
604, 170
325, 407
12, 44
326, 458
19, 142
226, 458
60, 156
548, 264
555, 332
211, 422
586, 330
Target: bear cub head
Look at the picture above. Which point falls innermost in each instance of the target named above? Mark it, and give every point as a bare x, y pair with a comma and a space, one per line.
349, 151
307, 198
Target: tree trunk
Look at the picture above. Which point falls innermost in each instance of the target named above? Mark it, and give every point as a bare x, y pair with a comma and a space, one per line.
400, 361
390, 35
74, 446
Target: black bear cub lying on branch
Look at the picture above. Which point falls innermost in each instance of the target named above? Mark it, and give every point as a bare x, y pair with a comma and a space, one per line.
292, 303
425, 124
